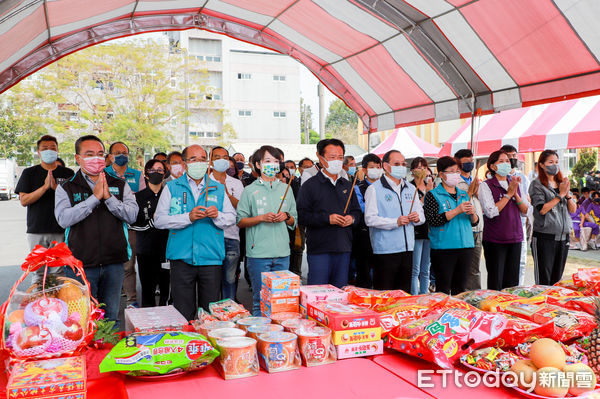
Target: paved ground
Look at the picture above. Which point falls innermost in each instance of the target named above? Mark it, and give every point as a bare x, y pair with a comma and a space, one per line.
14, 248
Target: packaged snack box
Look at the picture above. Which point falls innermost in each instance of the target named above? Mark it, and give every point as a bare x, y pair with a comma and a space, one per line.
339, 316
159, 318
277, 305
323, 292
347, 351
52, 378
238, 357
280, 284
356, 336
303, 311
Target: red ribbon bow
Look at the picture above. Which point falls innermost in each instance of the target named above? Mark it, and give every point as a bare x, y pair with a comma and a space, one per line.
55, 256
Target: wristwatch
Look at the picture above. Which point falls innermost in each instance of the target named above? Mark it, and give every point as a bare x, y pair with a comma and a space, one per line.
288, 216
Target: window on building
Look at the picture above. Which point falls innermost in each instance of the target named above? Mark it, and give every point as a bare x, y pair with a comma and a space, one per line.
217, 58
200, 57
244, 112
279, 114
210, 134
244, 76
216, 96
209, 58
279, 78
192, 133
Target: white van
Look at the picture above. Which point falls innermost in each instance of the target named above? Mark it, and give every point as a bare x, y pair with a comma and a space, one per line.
8, 178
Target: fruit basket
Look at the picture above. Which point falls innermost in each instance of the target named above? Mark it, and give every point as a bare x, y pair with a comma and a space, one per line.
53, 317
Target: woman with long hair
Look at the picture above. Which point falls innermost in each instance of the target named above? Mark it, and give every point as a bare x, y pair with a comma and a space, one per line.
503, 204
552, 204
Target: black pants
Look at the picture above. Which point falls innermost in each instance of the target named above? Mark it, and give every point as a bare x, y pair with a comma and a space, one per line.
393, 271
502, 262
296, 252
549, 258
151, 275
451, 266
194, 286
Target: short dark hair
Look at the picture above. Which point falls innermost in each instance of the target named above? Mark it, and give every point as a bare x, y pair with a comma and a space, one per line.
60, 161
325, 142
347, 159
289, 160
239, 153
87, 137
281, 153
151, 163
418, 161
260, 153
508, 148
218, 148
464, 153
46, 137
304, 160
387, 155
114, 144
164, 154
370, 158
444, 163
494, 157
585, 190
172, 154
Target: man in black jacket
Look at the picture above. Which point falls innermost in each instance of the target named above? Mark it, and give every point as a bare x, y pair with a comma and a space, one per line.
321, 204
94, 208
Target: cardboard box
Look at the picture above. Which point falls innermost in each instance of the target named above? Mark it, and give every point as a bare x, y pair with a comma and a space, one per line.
158, 318
52, 378
276, 305
356, 336
303, 311
324, 292
280, 284
348, 351
339, 316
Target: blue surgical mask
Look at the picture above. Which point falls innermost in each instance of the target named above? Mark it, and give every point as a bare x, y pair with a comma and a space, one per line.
221, 165
352, 170
398, 171
467, 166
197, 170
48, 156
503, 169
121, 159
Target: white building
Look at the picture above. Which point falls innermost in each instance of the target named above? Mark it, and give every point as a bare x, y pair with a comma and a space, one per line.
258, 90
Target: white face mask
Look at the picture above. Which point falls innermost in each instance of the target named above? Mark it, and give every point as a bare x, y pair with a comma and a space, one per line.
452, 179
176, 170
374, 173
335, 167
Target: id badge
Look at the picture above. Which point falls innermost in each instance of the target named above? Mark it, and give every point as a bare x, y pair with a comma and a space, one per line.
166, 265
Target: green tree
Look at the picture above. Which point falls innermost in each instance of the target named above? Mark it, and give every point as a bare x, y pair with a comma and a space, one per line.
314, 137
586, 163
341, 122
17, 136
305, 119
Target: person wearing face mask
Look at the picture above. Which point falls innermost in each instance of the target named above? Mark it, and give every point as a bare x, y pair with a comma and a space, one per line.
245, 177
267, 226
95, 208
503, 204
321, 204
391, 212
552, 203
466, 164
151, 243
175, 166
350, 166
36, 188
220, 164
313, 170
119, 156
196, 209
362, 250
512, 154
421, 254
450, 216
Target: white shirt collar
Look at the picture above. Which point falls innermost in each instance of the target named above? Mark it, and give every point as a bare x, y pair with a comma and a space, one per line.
329, 178
393, 183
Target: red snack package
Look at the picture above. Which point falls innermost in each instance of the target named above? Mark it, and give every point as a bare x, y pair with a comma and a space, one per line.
370, 298
588, 279
444, 338
568, 324
583, 304
489, 300
519, 330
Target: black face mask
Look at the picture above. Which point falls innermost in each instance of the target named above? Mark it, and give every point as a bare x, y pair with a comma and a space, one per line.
155, 177
514, 162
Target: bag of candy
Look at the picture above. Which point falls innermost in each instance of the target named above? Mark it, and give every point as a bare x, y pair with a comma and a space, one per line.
490, 359
488, 300
519, 330
588, 279
542, 291
370, 298
228, 310
159, 353
444, 338
568, 324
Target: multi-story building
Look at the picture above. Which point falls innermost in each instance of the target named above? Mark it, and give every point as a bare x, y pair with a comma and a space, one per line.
254, 90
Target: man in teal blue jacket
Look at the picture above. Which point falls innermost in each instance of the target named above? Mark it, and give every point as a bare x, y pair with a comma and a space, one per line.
196, 210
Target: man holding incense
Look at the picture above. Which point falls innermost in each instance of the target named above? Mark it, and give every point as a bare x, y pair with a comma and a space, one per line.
328, 207
392, 209
196, 210
266, 210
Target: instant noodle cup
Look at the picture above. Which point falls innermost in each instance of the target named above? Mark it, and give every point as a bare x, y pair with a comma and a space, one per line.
291, 325
251, 321
281, 316
220, 333
315, 346
257, 329
238, 358
208, 326
278, 351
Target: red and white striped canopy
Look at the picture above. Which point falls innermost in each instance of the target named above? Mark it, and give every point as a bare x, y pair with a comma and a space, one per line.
556, 126
394, 62
408, 144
